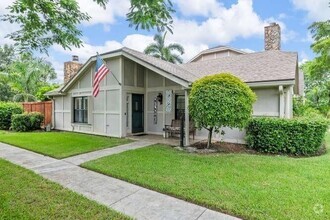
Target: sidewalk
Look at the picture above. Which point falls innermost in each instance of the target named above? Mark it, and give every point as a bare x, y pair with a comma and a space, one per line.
124, 197
82, 158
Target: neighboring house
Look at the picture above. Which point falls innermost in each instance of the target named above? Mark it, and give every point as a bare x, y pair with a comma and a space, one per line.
215, 53
153, 92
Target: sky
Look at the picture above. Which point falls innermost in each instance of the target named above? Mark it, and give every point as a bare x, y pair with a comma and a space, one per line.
198, 25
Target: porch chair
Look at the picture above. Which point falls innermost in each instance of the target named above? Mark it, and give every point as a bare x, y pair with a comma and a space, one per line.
174, 128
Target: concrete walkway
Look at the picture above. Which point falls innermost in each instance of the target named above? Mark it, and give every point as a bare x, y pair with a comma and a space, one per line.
82, 158
124, 197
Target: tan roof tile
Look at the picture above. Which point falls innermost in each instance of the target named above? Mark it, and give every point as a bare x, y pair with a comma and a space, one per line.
250, 67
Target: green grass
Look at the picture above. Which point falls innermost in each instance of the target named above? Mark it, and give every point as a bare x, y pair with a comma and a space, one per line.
59, 144
26, 195
244, 185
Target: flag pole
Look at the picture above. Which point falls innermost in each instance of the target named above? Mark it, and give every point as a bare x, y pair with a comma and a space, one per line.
109, 69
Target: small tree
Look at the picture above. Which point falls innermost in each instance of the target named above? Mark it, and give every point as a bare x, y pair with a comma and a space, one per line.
220, 100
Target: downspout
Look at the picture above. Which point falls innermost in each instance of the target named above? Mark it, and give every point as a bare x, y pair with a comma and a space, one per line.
53, 113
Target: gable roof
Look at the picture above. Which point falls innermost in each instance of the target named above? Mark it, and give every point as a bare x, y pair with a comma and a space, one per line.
214, 50
267, 66
270, 65
173, 69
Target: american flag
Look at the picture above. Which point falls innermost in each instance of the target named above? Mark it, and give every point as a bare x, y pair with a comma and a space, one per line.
101, 71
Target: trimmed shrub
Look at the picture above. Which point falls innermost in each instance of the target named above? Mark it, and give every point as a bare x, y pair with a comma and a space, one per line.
7, 109
220, 100
27, 121
299, 136
21, 122
36, 119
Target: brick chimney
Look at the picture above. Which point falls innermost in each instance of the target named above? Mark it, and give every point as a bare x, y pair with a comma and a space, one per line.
71, 68
273, 37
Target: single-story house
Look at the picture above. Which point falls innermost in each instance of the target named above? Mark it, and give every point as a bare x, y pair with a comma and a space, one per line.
152, 92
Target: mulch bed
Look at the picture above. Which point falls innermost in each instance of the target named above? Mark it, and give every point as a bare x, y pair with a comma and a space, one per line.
221, 147
224, 147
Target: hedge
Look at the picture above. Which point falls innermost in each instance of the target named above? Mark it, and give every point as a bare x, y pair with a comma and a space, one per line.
7, 109
27, 121
288, 136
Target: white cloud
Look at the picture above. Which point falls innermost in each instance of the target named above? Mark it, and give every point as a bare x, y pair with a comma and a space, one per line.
88, 50
134, 41
303, 58
192, 50
6, 27
247, 50
318, 10
282, 16
137, 41
224, 25
104, 16
198, 7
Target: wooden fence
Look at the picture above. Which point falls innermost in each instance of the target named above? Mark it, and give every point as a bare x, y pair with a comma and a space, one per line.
44, 108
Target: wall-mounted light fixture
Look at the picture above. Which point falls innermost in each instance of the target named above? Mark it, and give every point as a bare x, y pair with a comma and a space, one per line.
160, 98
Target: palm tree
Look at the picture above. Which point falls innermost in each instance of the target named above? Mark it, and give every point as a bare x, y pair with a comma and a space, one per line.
27, 74
170, 53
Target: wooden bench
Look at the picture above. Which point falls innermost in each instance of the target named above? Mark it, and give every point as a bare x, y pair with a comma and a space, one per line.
174, 128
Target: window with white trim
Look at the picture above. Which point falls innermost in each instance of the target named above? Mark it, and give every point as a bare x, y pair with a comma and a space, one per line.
80, 109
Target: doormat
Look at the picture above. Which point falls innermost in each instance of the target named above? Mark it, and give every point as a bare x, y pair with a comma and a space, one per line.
139, 134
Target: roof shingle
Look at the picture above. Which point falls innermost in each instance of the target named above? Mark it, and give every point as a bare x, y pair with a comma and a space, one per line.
252, 67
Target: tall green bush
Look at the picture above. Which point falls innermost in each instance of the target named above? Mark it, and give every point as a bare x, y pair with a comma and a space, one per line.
27, 121
303, 108
7, 109
220, 100
21, 122
300, 136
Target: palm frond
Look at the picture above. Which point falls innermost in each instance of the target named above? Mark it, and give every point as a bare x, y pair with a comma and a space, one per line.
176, 47
152, 49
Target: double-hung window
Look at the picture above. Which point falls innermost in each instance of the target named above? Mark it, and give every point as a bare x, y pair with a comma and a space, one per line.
81, 109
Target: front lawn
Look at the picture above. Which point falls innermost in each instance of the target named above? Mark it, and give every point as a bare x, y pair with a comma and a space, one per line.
25, 195
244, 185
59, 144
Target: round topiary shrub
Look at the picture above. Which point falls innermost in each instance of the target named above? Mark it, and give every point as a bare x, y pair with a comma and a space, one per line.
220, 100
7, 109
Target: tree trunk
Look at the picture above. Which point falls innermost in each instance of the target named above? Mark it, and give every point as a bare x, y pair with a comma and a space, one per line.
209, 140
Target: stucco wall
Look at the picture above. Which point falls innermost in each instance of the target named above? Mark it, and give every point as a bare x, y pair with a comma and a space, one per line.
267, 103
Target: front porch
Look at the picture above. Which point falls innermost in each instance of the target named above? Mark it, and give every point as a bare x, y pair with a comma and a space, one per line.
151, 99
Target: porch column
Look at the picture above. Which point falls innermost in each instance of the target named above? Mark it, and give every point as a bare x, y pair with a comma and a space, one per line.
186, 113
281, 104
288, 102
